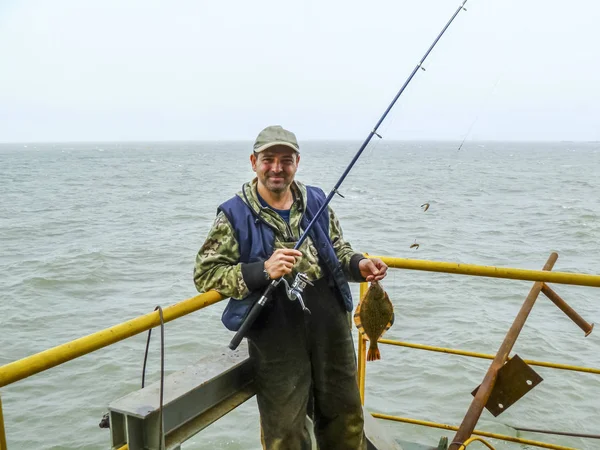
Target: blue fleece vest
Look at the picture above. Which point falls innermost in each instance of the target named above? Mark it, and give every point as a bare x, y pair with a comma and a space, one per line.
256, 239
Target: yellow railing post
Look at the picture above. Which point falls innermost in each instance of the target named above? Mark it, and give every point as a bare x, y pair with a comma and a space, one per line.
362, 351
2, 431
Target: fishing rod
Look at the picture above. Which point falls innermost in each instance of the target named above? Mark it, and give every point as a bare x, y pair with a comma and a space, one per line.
295, 291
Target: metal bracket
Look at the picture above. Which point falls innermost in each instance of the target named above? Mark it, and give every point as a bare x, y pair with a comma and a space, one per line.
338, 193
515, 379
194, 398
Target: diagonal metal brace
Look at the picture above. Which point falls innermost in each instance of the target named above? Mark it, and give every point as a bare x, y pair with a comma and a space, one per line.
570, 312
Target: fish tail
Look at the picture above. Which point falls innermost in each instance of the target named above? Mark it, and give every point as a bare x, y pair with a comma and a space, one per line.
373, 353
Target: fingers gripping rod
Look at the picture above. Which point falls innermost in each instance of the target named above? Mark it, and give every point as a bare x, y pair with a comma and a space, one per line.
257, 307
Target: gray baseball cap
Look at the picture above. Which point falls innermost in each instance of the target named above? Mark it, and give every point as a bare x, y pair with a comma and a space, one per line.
275, 135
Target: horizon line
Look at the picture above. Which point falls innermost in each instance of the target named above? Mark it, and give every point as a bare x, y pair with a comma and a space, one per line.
303, 140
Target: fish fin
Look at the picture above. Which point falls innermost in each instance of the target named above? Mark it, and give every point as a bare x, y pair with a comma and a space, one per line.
387, 327
361, 330
373, 353
357, 320
391, 322
357, 310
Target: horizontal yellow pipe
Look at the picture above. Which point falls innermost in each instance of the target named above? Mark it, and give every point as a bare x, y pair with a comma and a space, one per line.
486, 356
579, 279
52, 357
478, 432
47, 359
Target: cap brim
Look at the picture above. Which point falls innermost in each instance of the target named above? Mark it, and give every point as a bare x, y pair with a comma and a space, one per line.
275, 144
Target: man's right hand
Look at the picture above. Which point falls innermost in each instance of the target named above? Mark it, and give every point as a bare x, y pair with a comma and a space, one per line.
281, 262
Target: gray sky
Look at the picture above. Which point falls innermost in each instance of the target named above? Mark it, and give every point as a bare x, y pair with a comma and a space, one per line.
73, 70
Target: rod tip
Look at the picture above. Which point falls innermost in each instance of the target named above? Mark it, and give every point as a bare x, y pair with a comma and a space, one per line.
590, 331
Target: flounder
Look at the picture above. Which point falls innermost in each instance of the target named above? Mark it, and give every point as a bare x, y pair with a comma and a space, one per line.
374, 315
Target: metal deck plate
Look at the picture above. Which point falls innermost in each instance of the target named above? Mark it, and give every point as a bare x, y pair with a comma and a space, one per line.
515, 379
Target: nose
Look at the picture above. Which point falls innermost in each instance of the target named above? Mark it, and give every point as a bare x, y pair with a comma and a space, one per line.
276, 166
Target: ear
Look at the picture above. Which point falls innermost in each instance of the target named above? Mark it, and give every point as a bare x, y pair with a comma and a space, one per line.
253, 161
297, 158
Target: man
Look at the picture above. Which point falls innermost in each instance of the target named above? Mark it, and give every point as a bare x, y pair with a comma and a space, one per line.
251, 243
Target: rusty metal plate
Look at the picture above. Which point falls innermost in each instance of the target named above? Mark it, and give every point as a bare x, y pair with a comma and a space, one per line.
515, 379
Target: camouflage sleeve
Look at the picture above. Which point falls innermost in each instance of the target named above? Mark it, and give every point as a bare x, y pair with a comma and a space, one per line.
217, 263
343, 250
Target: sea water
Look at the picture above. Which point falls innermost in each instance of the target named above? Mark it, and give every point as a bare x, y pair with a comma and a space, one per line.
95, 234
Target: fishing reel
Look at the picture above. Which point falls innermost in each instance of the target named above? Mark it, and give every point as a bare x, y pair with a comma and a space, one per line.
294, 292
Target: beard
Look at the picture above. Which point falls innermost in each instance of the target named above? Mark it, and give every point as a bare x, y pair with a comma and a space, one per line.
280, 185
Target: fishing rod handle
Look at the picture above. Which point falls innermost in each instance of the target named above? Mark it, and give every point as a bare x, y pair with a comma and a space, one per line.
252, 315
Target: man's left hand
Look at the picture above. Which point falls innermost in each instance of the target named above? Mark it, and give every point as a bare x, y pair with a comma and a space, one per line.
372, 269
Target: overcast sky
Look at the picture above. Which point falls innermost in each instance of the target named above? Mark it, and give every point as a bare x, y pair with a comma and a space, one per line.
73, 70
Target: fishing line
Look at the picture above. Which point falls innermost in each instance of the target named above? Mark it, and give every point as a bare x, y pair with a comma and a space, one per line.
161, 430
262, 301
452, 166
484, 103
105, 422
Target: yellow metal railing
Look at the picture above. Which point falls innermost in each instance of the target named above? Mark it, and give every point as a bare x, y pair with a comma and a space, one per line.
362, 353
362, 372
47, 359
55, 356
487, 271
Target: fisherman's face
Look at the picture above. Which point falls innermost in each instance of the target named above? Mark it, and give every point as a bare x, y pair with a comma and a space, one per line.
275, 168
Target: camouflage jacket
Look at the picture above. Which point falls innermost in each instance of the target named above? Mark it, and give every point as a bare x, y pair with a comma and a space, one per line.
217, 263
